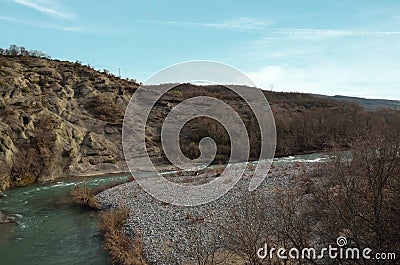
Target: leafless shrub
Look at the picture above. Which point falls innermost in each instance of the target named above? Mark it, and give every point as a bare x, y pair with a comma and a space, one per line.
36, 155
84, 196
121, 248
246, 228
203, 244
358, 196
292, 220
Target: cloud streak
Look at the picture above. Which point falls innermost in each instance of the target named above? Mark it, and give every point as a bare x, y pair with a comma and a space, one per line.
259, 26
42, 25
36, 5
240, 24
312, 33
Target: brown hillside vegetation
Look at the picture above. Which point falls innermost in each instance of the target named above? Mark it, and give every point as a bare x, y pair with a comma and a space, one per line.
354, 198
304, 123
60, 118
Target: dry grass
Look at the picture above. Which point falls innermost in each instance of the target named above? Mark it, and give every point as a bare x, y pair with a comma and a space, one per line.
84, 196
121, 248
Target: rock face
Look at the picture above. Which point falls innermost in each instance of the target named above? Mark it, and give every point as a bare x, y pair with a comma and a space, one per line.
58, 119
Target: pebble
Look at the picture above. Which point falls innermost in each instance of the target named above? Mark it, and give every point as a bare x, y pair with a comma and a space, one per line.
167, 230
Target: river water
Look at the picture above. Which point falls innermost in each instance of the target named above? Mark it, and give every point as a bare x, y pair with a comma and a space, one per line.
51, 229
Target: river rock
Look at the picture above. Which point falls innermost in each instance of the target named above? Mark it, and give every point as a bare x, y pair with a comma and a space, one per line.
6, 218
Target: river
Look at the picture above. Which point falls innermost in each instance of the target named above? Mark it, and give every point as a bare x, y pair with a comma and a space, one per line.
51, 229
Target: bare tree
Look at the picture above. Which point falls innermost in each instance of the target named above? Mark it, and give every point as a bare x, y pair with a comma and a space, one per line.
246, 228
203, 244
358, 196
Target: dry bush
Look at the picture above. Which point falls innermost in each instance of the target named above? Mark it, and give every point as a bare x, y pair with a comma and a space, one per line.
36, 155
293, 220
121, 248
113, 220
84, 196
246, 228
359, 197
284, 218
203, 245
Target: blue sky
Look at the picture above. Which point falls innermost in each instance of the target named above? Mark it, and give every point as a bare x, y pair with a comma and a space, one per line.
326, 47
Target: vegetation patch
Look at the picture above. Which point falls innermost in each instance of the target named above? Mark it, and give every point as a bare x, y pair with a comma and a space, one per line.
84, 196
121, 248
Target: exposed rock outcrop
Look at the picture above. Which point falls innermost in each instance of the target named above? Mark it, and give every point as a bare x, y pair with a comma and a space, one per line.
58, 119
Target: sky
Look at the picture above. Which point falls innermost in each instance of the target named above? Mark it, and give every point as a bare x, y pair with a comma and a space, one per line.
338, 47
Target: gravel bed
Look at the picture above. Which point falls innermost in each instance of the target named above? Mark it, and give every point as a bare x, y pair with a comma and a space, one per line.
167, 229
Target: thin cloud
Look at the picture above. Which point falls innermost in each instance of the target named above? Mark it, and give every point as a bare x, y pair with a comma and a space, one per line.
37, 5
41, 25
318, 33
263, 27
72, 28
243, 23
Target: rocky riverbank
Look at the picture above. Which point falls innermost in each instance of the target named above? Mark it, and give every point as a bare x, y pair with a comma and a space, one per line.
168, 231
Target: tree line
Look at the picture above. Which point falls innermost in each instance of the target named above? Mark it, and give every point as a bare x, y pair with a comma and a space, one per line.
15, 50
304, 123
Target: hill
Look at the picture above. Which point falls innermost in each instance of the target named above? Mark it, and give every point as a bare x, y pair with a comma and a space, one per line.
60, 118
368, 103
